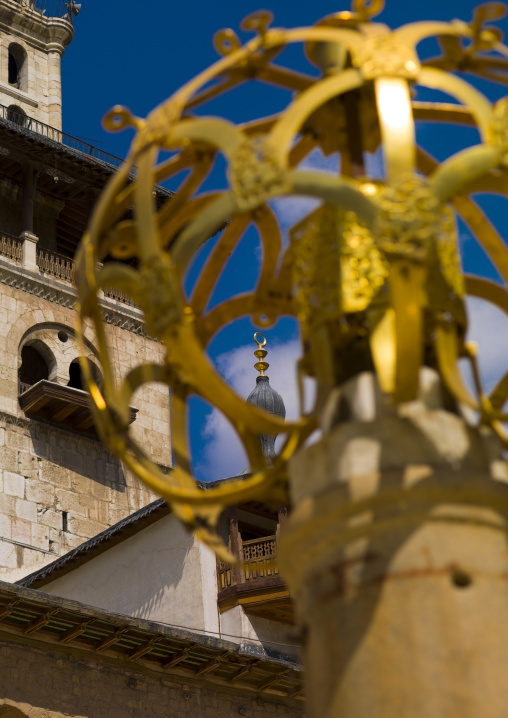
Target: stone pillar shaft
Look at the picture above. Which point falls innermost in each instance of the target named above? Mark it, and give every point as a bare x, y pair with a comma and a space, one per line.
55, 89
397, 557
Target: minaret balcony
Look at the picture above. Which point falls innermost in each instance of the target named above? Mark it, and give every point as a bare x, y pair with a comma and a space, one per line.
256, 584
60, 404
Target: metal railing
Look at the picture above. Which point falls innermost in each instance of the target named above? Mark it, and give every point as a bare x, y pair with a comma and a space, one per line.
11, 247
56, 265
258, 562
119, 296
48, 8
19, 119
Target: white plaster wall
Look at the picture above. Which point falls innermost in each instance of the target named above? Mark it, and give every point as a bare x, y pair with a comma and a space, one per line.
238, 626
161, 574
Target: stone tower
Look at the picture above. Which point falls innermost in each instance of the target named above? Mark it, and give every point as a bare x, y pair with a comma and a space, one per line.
32, 45
58, 486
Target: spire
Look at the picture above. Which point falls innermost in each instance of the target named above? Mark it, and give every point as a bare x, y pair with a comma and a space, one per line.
264, 397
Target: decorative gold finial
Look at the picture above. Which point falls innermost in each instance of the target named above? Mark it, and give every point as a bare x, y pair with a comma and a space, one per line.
260, 354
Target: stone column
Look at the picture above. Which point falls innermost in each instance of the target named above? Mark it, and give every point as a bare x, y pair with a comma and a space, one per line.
396, 555
55, 85
29, 259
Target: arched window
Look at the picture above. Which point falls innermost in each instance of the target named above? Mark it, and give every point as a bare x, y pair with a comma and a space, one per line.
33, 368
75, 375
76, 379
17, 115
18, 67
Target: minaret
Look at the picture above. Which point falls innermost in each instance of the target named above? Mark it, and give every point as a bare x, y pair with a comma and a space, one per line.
32, 42
264, 397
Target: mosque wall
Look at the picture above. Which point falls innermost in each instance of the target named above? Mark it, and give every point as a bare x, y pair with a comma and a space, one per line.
62, 684
60, 487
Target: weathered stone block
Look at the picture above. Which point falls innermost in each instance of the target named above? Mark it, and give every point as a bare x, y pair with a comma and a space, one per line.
5, 526
26, 510
40, 536
14, 484
8, 555
21, 531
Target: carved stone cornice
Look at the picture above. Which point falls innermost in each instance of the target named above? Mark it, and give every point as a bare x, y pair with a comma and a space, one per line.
65, 295
46, 33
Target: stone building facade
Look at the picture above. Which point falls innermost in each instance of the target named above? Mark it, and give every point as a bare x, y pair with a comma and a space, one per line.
58, 485
60, 658
31, 48
167, 630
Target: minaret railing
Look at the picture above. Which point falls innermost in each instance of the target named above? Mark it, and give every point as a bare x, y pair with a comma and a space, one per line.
11, 247
48, 8
29, 124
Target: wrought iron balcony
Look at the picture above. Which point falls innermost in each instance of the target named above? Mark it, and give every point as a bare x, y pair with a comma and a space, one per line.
30, 124
49, 8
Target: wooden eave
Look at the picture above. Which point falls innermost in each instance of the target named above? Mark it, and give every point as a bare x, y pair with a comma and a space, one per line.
61, 625
266, 597
81, 178
62, 405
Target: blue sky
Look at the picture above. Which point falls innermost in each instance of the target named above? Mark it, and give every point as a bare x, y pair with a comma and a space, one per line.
138, 54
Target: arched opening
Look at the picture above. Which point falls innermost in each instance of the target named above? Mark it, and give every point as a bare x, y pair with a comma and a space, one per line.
76, 378
11, 712
17, 115
75, 375
18, 67
33, 368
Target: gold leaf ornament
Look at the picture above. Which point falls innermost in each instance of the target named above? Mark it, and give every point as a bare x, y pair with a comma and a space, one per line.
372, 274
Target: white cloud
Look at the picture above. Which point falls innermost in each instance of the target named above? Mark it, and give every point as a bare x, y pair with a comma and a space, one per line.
488, 326
290, 210
223, 454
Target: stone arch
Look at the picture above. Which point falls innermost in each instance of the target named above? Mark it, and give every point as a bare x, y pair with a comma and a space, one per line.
62, 343
51, 316
17, 115
75, 373
37, 362
7, 711
18, 67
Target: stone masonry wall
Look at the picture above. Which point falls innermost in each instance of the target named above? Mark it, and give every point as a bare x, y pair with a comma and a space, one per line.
40, 95
45, 684
46, 470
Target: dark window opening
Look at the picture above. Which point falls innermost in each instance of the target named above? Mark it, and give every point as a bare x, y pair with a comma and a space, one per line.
15, 114
17, 68
33, 368
75, 376
65, 521
13, 71
249, 531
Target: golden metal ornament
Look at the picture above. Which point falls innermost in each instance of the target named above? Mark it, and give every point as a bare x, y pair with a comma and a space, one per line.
373, 275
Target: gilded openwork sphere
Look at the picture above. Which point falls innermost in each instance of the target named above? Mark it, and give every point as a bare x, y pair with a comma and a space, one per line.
372, 274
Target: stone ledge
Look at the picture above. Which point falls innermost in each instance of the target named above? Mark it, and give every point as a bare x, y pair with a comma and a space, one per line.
18, 94
65, 295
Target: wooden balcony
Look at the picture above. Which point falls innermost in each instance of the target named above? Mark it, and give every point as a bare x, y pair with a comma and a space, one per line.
59, 404
256, 585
